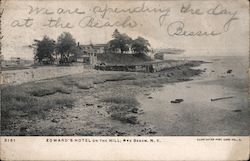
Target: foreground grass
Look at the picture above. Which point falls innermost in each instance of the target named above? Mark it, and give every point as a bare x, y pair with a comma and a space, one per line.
32, 100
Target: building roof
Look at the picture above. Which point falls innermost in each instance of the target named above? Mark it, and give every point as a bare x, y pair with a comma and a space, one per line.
100, 45
94, 45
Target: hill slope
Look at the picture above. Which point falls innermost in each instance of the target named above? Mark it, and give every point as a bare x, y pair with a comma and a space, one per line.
114, 58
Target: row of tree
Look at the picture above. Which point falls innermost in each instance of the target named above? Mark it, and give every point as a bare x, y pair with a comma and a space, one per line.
123, 43
47, 50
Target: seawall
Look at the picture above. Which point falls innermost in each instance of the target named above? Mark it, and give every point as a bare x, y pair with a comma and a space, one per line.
145, 67
14, 77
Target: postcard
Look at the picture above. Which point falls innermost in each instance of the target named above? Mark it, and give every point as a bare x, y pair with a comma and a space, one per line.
124, 80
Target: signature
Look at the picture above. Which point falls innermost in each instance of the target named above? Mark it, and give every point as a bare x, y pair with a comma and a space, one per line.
177, 28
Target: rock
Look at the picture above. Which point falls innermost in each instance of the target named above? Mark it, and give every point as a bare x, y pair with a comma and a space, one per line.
140, 111
23, 131
55, 120
236, 110
63, 117
134, 110
177, 101
99, 106
63, 107
89, 104
132, 120
119, 133
212, 71
125, 118
229, 71
150, 97
152, 132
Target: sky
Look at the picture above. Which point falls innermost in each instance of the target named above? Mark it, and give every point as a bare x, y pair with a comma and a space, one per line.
233, 42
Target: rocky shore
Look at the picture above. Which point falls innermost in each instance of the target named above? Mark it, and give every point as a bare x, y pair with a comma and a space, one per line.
98, 104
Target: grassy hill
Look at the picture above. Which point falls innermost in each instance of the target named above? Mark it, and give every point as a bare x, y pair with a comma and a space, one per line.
114, 58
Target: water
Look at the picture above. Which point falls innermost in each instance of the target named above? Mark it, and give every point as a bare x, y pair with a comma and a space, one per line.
197, 114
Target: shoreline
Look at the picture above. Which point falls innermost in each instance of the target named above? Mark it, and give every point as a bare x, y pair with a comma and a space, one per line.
197, 114
99, 104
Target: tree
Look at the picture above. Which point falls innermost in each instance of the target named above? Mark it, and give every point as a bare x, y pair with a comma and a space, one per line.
44, 50
140, 45
66, 47
115, 34
120, 42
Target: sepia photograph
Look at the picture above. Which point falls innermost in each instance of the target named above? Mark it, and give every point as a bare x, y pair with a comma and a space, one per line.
125, 68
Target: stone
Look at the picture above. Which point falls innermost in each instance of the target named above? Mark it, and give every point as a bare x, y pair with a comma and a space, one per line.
229, 71
177, 101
